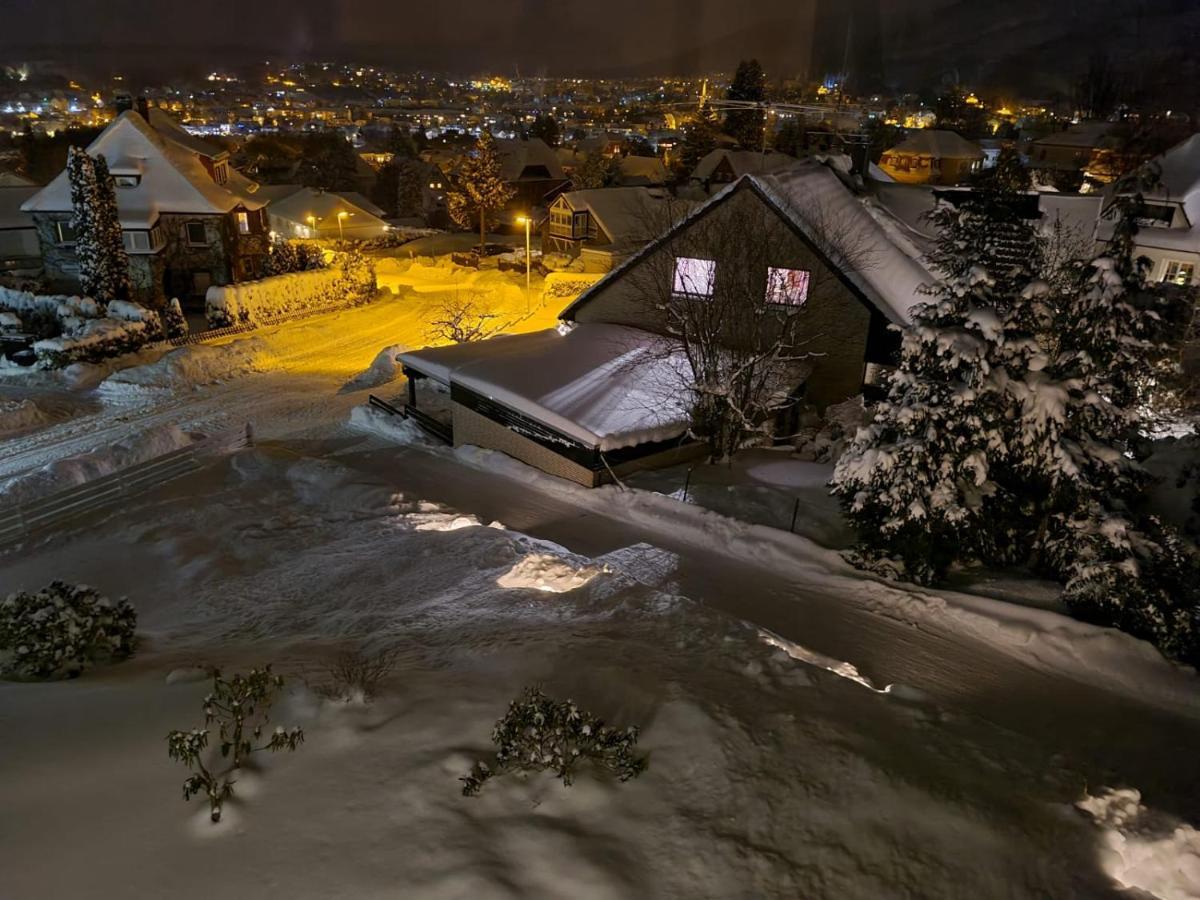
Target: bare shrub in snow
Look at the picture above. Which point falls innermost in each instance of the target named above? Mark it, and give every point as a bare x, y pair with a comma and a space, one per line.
538, 734
355, 675
60, 630
240, 709
464, 318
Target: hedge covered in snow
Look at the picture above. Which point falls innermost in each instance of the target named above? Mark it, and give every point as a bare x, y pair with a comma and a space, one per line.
78, 329
61, 630
351, 279
561, 285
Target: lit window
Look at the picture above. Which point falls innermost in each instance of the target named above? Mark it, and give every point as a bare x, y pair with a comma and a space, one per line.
695, 277
126, 181
1179, 273
65, 232
195, 234
243, 221
787, 287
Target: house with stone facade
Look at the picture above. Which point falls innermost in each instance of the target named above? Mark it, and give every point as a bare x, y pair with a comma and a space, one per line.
189, 220
605, 393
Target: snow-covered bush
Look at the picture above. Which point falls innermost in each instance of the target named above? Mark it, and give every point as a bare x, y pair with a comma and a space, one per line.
91, 340
350, 280
563, 285
240, 709
174, 323
825, 438
285, 257
538, 734
1140, 578
60, 630
10, 323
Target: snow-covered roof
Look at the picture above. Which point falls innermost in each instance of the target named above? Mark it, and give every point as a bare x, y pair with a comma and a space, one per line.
14, 179
605, 386
296, 206
881, 263
1178, 172
173, 177
744, 162
1083, 135
938, 145
642, 170
517, 155
621, 212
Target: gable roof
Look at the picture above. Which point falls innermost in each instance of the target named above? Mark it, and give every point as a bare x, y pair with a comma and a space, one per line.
1082, 135
173, 177
641, 170
939, 145
619, 211
298, 205
875, 263
517, 155
743, 162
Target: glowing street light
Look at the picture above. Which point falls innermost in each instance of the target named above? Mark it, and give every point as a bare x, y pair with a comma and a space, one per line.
312, 225
527, 221
341, 217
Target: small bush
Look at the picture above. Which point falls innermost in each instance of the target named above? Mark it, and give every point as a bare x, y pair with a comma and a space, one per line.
538, 734
355, 676
61, 630
240, 707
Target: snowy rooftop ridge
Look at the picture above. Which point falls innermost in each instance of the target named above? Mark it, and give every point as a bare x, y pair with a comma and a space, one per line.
606, 386
173, 177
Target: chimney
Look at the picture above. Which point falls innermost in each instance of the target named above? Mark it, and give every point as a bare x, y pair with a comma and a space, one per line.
143, 108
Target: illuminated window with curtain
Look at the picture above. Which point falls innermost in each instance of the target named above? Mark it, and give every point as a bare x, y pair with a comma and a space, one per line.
694, 277
787, 287
243, 222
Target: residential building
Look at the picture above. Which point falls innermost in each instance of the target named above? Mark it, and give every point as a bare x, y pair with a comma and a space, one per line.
1170, 230
932, 157
721, 167
605, 393
308, 213
532, 168
603, 225
189, 220
1073, 151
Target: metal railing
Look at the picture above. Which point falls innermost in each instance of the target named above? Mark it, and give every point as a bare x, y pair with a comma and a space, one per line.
21, 520
432, 426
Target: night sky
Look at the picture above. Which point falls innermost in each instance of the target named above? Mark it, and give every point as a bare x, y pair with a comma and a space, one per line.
917, 39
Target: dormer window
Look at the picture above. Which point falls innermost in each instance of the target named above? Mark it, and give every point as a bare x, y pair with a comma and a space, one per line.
221, 173
127, 181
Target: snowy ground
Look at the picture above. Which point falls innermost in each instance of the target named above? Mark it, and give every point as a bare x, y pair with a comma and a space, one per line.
811, 732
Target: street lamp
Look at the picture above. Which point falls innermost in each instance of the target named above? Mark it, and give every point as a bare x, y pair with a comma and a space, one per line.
341, 217
312, 226
527, 221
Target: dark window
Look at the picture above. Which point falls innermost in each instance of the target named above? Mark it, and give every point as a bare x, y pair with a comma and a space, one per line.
65, 232
196, 235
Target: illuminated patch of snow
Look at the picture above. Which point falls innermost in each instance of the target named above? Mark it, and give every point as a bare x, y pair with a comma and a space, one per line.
811, 657
1142, 850
443, 522
546, 573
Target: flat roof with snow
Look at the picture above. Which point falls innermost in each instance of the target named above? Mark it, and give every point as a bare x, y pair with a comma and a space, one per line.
607, 387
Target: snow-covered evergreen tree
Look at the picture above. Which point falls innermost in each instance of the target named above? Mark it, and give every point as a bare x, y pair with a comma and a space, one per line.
410, 189
480, 192
114, 261
920, 483
103, 263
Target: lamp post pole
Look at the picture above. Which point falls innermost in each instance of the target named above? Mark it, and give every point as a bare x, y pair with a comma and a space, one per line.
341, 232
527, 263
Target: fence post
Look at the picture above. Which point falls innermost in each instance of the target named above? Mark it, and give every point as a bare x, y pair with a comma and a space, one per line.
795, 514
687, 483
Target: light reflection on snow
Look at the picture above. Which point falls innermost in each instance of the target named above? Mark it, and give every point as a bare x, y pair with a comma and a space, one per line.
549, 574
829, 664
